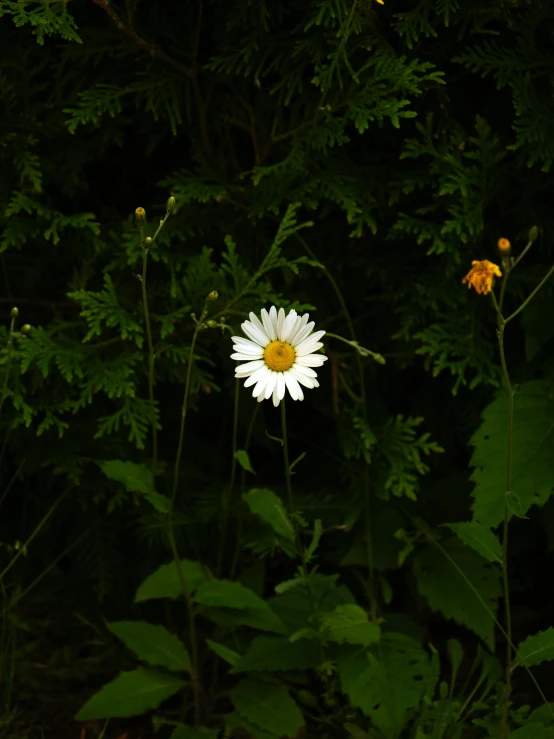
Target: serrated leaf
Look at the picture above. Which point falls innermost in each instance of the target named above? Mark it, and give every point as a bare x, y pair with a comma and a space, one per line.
387, 683
270, 653
348, 624
159, 502
153, 644
536, 649
137, 478
447, 591
226, 654
236, 721
532, 453
267, 705
244, 460
188, 732
268, 506
478, 537
131, 694
165, 581
529, 731
231, 603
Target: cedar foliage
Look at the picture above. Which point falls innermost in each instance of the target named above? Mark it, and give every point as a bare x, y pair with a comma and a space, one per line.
337, 156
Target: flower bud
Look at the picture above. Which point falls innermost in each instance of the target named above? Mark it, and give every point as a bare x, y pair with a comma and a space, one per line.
25, 329
533, 234
140, 217
14, 312
212, 324
504, 246
147, 243
170, 205
214, 295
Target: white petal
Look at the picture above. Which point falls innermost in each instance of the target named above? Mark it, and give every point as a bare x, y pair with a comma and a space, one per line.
256, 321
302, 379
249, 348
292, 385
303, 333
255, 376
311, 360
268, 325
270, 386
280, 386
301, 321
275, 396
288, 326
242, 370
259, 388
307, 348
308, 371
241, 357
254, 333
241, 341
280, 321
273, 315
300, 393
316, 336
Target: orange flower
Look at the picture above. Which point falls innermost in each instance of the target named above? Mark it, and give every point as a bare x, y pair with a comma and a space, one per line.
481, 275
504, 246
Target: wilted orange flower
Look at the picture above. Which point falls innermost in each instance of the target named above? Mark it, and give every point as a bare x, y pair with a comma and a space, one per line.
481, 275
504, 246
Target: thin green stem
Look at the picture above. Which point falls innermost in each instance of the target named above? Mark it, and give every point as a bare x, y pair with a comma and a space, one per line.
228, 492
8, 365
150, 355
535, 291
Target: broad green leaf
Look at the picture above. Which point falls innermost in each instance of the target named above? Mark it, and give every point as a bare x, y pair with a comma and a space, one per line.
348, 624
456, 656
536, 649
229, 655
478, 537
532, 453
131, 694
388, 682
137, 478
152, 644
187, 732
543, 715
446, 590
165, 582
355, 731
267, 705
159, 502
268, 506
269, 653
246, 728
231, 603
244, 460
529, 731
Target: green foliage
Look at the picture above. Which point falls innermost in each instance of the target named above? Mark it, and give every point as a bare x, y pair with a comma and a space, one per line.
536, 649
265, 504
267, 705
479, 538
348, 624
165, 582
152, 644
532, 456
130, 694
272, 653
46, 17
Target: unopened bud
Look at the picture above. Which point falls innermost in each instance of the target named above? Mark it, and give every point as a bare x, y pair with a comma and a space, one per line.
170, 205
147, 243
14, 312
504, 246
533, 234
212, 324
140, 217
25, 329
214, 295
379, 358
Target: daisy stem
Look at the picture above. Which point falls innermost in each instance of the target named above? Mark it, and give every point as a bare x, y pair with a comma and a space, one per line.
228, 492
150, 352
287, 466
501, 322
8, 365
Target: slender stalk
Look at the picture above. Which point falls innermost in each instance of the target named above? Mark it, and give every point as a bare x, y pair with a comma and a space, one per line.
150, 355
535, 291
8, 364
227, 493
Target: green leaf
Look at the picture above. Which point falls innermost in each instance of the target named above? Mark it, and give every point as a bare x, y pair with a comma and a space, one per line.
268, 506
269, 653
447, 590
246, 728
355, 731
268, 705
532, 454
529, 731
130, 694
387, 683
187, 732
231, 603
137, 478
536, 649
226, 654
153, 644
478, 537
159, 502
244, 460
165, 582
310, 551
348, 624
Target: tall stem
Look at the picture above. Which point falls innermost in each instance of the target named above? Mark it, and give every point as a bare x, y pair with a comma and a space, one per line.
227, 493
8, 365
150, 357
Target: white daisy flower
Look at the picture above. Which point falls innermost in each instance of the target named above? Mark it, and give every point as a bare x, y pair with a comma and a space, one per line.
278, 354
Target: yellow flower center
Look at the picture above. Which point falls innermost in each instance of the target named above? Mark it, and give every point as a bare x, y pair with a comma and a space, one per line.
279, 356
